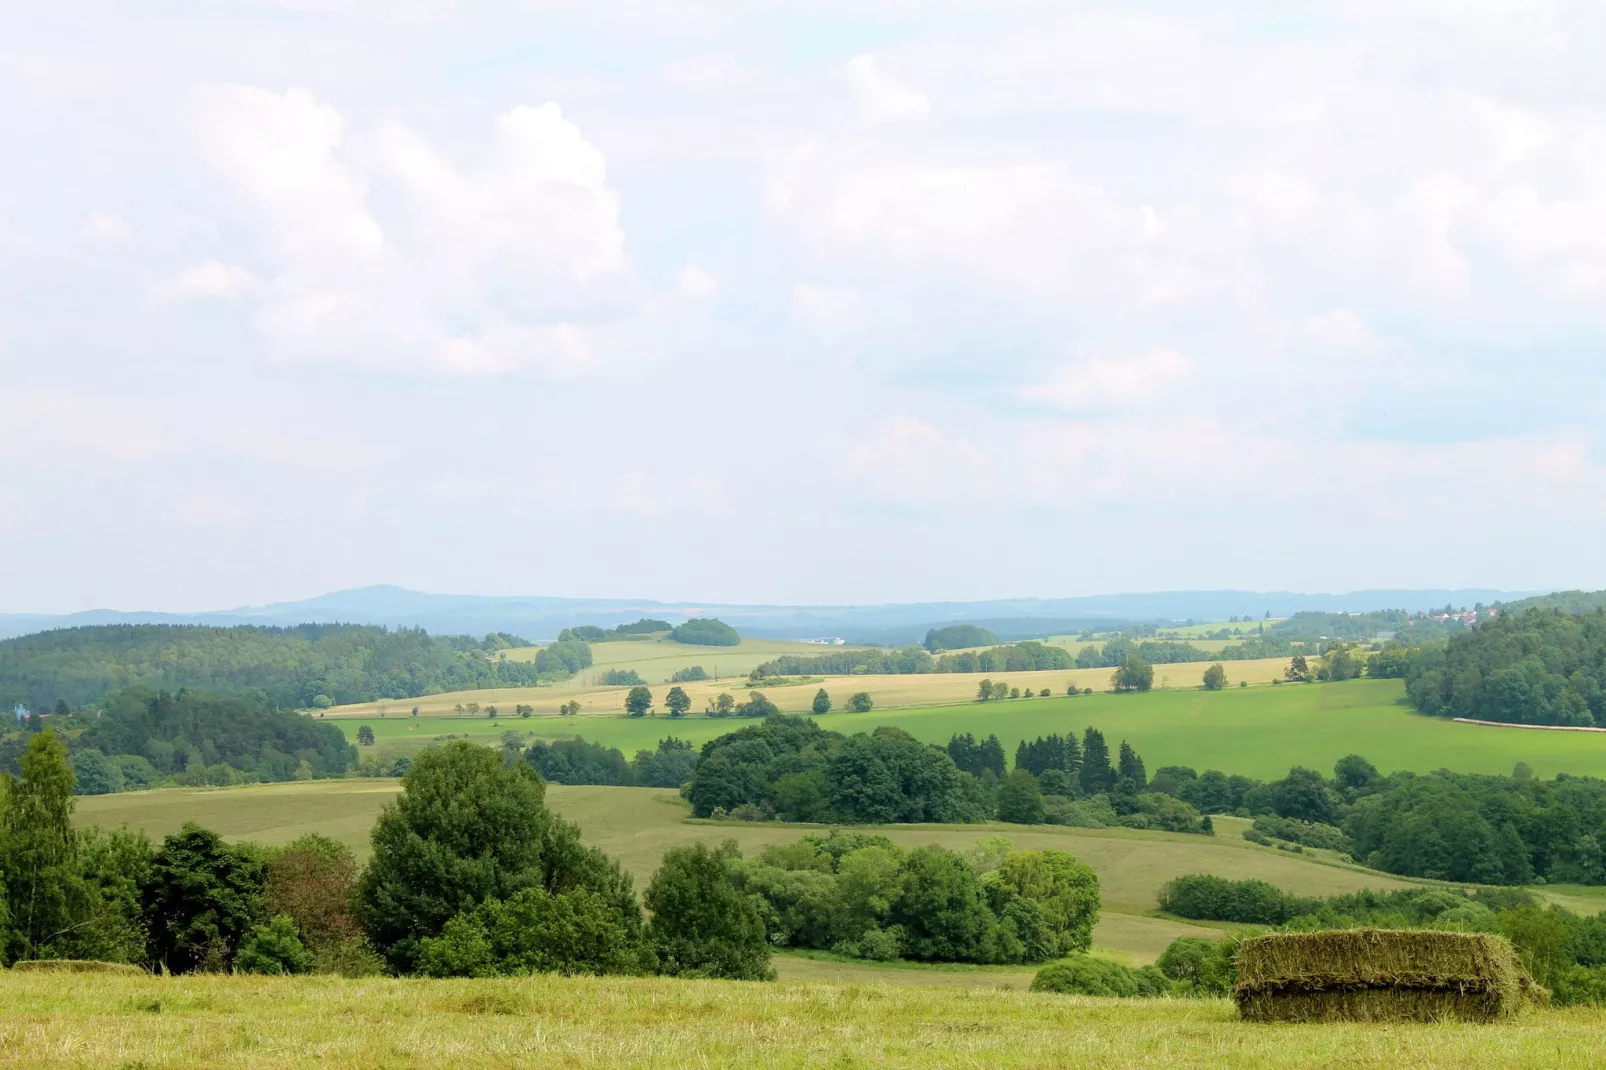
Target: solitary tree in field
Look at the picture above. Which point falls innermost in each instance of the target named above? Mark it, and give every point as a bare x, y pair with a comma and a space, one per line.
822, 701
365, 736
678, 701
984, 691
491, 712
1298, 670
473, 709
724, 703
1215, 678
861, 702
638, 701
1135, 674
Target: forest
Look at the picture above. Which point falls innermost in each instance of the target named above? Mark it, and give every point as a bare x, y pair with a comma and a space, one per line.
1543, 666
309, 665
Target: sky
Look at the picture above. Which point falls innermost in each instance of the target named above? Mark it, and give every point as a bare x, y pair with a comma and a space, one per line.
760, 302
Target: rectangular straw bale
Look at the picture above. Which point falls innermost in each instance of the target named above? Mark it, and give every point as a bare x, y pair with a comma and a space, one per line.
1379, 975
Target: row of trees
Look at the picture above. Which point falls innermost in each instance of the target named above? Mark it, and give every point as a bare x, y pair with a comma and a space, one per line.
471, 875
1029, 656
574, 761
301, 667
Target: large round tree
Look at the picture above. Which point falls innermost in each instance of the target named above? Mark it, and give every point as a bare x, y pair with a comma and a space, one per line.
468, 828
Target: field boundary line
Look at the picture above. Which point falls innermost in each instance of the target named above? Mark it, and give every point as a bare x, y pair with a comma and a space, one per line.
1541, 727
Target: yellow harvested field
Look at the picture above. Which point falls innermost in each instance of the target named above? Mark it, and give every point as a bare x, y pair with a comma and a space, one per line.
927, 689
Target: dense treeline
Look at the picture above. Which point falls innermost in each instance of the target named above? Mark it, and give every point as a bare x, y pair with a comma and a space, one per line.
1446, 826
789, 768
705, 632
958, 637
1015, 657
471, 875
1118, 651
1539, 667
141, 739
574, 761
304, 666
865, 897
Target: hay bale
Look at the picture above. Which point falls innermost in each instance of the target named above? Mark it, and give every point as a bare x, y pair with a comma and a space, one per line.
74, 966
1380, 975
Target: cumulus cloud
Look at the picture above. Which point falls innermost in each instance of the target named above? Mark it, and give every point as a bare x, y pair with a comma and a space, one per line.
1110, 383
212, 280
483, 266
882, 99
105, 228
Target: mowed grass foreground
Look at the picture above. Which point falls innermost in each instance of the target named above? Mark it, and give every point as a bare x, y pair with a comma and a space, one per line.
240, 1021
1257, 731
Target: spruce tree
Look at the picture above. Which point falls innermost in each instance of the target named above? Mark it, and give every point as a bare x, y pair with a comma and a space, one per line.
1096, 775
1130, 766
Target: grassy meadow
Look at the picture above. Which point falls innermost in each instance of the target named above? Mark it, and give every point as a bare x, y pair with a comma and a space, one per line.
191, 1022
636, 825
1257, 731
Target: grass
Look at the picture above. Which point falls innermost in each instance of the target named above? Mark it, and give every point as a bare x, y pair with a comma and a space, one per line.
1258, 731
636, 826
183, 1023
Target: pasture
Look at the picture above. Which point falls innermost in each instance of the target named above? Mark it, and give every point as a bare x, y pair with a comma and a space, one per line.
1257, 731
191, 1022
636, 826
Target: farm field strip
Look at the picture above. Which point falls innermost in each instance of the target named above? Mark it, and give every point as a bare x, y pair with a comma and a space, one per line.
888, 691
1256, 731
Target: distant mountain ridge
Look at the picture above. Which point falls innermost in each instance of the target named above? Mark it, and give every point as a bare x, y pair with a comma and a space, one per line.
537, 617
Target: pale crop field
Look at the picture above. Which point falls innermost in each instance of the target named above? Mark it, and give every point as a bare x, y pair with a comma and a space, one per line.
922, 689
220, 1021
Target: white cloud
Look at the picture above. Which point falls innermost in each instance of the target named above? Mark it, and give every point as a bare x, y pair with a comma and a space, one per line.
828, 310
211, 280
105, 228
1339, 331
1107, 383
882, 99
907, 460
480, 266
281, 150
695, 284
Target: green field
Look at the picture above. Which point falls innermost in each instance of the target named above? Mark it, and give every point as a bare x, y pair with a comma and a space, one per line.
192, 1022
1257, 731
636, 825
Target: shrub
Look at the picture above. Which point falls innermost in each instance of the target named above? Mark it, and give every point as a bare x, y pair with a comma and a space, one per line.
1084, 975
1202, 896
689, 675
861, 702
621, 677
273, 948
576, 931
1205, 967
